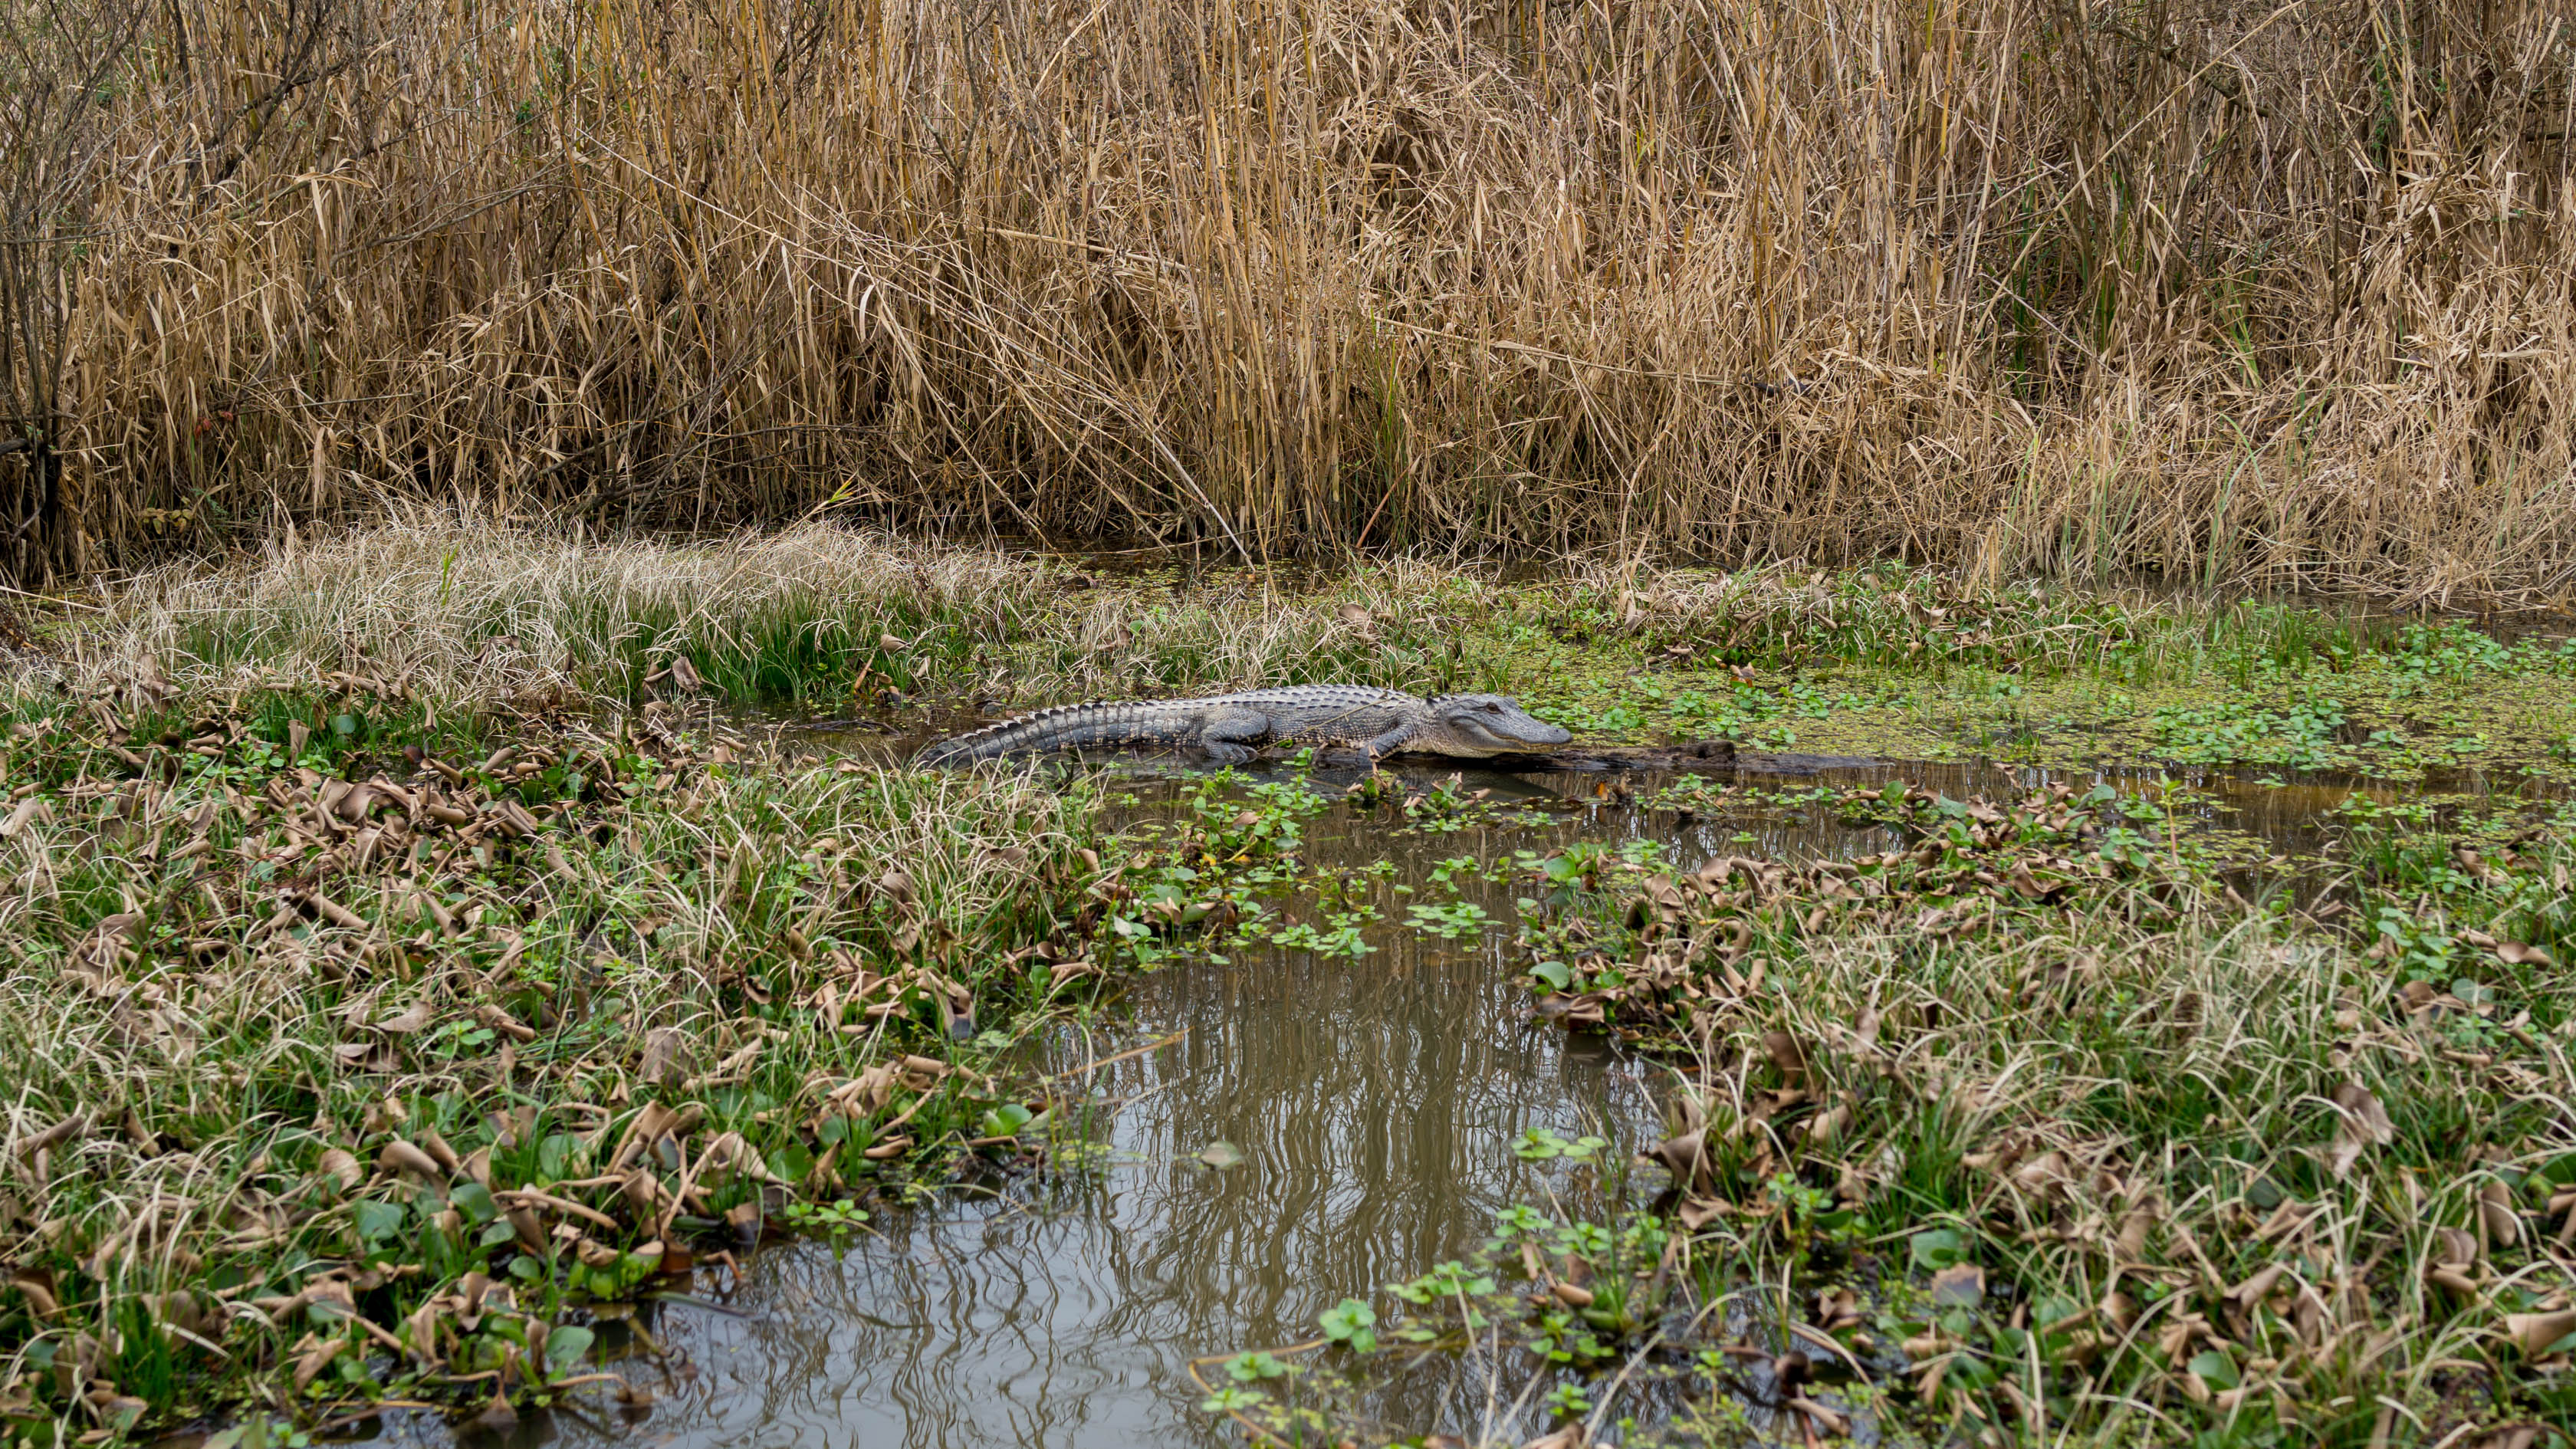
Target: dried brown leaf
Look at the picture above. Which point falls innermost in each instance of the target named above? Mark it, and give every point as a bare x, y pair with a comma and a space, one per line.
1785, 1054
2364, 1124
1962, 1285
2536, 1334
401, 1156
666, 1060
316, 1358
341, 1166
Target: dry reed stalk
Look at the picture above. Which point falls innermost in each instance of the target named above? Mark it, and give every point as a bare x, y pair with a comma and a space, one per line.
2271, 294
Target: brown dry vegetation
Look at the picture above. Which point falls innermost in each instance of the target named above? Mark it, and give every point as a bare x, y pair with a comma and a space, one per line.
2246, 293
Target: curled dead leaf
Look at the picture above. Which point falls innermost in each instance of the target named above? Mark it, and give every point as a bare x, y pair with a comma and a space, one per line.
2538, 1334
2496, 1215
666, 1057
1828, 1423
341, 1166
75, 1125
2456, 1246
1685, 1157
1829, 1123
25, 813
38, 1293
530, 1230
2254, 1290
1962, 1285
1785, 1054
2364, 1124
2452, 1280
316, 1359
504, 1023
2135, 1227
401, 1156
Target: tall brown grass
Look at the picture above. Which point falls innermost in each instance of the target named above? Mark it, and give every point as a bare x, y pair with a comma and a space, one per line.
2243, 292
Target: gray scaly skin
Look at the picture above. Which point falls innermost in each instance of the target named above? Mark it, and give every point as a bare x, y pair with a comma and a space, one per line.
1381, 722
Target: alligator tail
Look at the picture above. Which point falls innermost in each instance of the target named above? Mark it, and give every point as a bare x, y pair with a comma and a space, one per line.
1062, 727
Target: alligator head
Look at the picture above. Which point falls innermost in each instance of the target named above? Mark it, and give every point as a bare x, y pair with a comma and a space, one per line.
1474, 726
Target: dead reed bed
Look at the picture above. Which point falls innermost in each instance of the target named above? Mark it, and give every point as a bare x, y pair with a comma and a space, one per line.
472, 615
2242, 293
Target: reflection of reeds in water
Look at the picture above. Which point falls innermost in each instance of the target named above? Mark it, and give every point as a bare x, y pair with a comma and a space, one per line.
1376, 1101
2237, 291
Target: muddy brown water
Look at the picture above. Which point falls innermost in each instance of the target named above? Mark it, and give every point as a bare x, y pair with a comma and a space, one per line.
1374, 1102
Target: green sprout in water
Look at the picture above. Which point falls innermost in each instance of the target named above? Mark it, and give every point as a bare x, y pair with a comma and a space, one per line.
1351, 1324
1538, 1144
1252, 1368
839, 1219
1567, 1401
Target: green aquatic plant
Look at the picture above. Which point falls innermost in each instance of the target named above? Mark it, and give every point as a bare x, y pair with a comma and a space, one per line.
430, 1036
2305, 736
1448, 920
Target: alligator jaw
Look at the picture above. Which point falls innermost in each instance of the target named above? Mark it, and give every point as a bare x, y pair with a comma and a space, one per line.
1482, 726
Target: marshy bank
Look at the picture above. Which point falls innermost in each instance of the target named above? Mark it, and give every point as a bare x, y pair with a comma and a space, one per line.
432, 953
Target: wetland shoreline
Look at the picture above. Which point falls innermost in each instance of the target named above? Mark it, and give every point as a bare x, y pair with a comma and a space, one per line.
418, 952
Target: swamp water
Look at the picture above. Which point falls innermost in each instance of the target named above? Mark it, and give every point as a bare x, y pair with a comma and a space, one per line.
1366, 1110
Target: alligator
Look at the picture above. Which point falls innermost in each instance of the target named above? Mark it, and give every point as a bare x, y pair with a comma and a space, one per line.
1380, 722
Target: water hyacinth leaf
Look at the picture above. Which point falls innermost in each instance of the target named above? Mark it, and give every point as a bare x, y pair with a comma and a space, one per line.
1350, 1323
475, 1201
2215, 1368
566, 1346
1246, 1368
378, 1221
1233, 1399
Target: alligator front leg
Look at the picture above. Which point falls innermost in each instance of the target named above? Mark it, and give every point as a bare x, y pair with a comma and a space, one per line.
1228, 737
1387, 744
